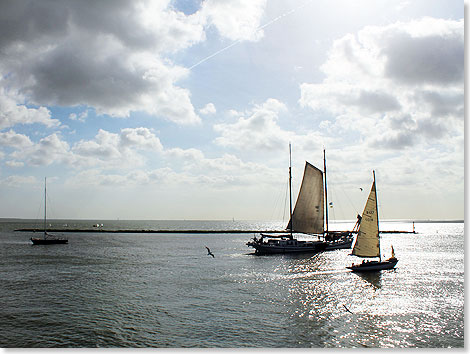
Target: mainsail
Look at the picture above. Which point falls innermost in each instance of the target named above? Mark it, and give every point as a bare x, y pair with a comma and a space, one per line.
367, 241
307, 216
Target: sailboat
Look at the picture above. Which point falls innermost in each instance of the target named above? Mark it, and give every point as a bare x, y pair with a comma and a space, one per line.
47, 239
308, 217
368, 239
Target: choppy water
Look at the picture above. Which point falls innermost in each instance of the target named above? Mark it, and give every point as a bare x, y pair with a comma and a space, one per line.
162, 290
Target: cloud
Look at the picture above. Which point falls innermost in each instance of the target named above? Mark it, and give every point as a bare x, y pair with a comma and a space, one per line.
13, 110
18, 181
398, 85
14, 164
109, 150
257, 129
14, 140
81, 117
235, 19
109, 56
208, 109
49, 150
106, 150
433, 59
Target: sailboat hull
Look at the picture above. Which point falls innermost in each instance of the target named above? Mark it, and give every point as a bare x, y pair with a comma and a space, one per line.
374, 266
48, 241
339, 245
287, 246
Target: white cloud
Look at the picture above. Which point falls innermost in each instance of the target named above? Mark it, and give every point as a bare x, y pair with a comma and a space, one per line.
112, 150
257, 130
106, 150
14, 140
18, 181
235, 19
81, 117
14, 164
13, 111
49, 150
398, 85
208, 109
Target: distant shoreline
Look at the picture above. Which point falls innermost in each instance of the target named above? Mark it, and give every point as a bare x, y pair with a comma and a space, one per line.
227, 220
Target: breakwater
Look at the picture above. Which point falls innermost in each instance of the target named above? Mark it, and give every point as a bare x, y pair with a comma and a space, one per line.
163, 231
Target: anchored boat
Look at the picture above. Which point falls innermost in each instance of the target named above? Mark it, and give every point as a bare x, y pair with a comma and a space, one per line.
47, 239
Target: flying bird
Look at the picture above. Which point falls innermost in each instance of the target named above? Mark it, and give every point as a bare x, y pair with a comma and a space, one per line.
346, 308
360, 189
209, 253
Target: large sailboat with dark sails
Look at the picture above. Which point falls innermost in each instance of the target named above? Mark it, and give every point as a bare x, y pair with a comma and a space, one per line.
307, 217
47, 238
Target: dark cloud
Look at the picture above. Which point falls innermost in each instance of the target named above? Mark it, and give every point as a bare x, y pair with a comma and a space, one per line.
104, 54
27, 21
430, 129
444, 104
398, 140
374, 102
425, 60
66, 76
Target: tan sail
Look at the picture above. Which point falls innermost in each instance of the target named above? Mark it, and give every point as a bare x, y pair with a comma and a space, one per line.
308, 211
367, 241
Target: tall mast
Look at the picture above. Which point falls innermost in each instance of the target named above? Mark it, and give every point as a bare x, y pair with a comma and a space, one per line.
377, 210
290, 191
326, 192
45, 204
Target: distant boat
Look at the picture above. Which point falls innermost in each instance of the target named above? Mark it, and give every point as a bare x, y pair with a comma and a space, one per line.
47, 239
306, 218
367, 243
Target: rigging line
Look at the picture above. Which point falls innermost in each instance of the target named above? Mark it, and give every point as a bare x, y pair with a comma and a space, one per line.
258, 29
285, 203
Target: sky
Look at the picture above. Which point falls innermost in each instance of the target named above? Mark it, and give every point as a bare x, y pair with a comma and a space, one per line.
185, 109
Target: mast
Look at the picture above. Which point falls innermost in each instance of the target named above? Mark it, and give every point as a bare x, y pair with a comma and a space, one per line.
45, 204
290, 191
326, 193
377, 210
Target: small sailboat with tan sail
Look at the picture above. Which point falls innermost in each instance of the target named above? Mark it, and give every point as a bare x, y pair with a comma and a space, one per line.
367, 243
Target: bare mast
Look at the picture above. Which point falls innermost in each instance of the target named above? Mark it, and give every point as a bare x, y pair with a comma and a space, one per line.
290, 191
377, 211
326, 192
45, 206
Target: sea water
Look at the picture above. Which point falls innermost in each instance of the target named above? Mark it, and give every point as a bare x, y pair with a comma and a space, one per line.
163, 290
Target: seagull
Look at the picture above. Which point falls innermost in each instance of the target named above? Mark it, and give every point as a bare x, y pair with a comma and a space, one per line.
347, 309
209, 253
360, 189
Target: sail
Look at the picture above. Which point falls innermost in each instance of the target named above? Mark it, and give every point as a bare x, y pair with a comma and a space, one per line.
367, 241
308, 210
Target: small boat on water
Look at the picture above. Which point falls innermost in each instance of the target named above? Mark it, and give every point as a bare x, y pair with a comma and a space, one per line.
307, 218
367, 243
47, 239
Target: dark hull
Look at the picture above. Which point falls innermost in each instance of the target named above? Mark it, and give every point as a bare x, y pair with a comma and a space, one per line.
374, 266
48, 241
339, 245
283, 247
